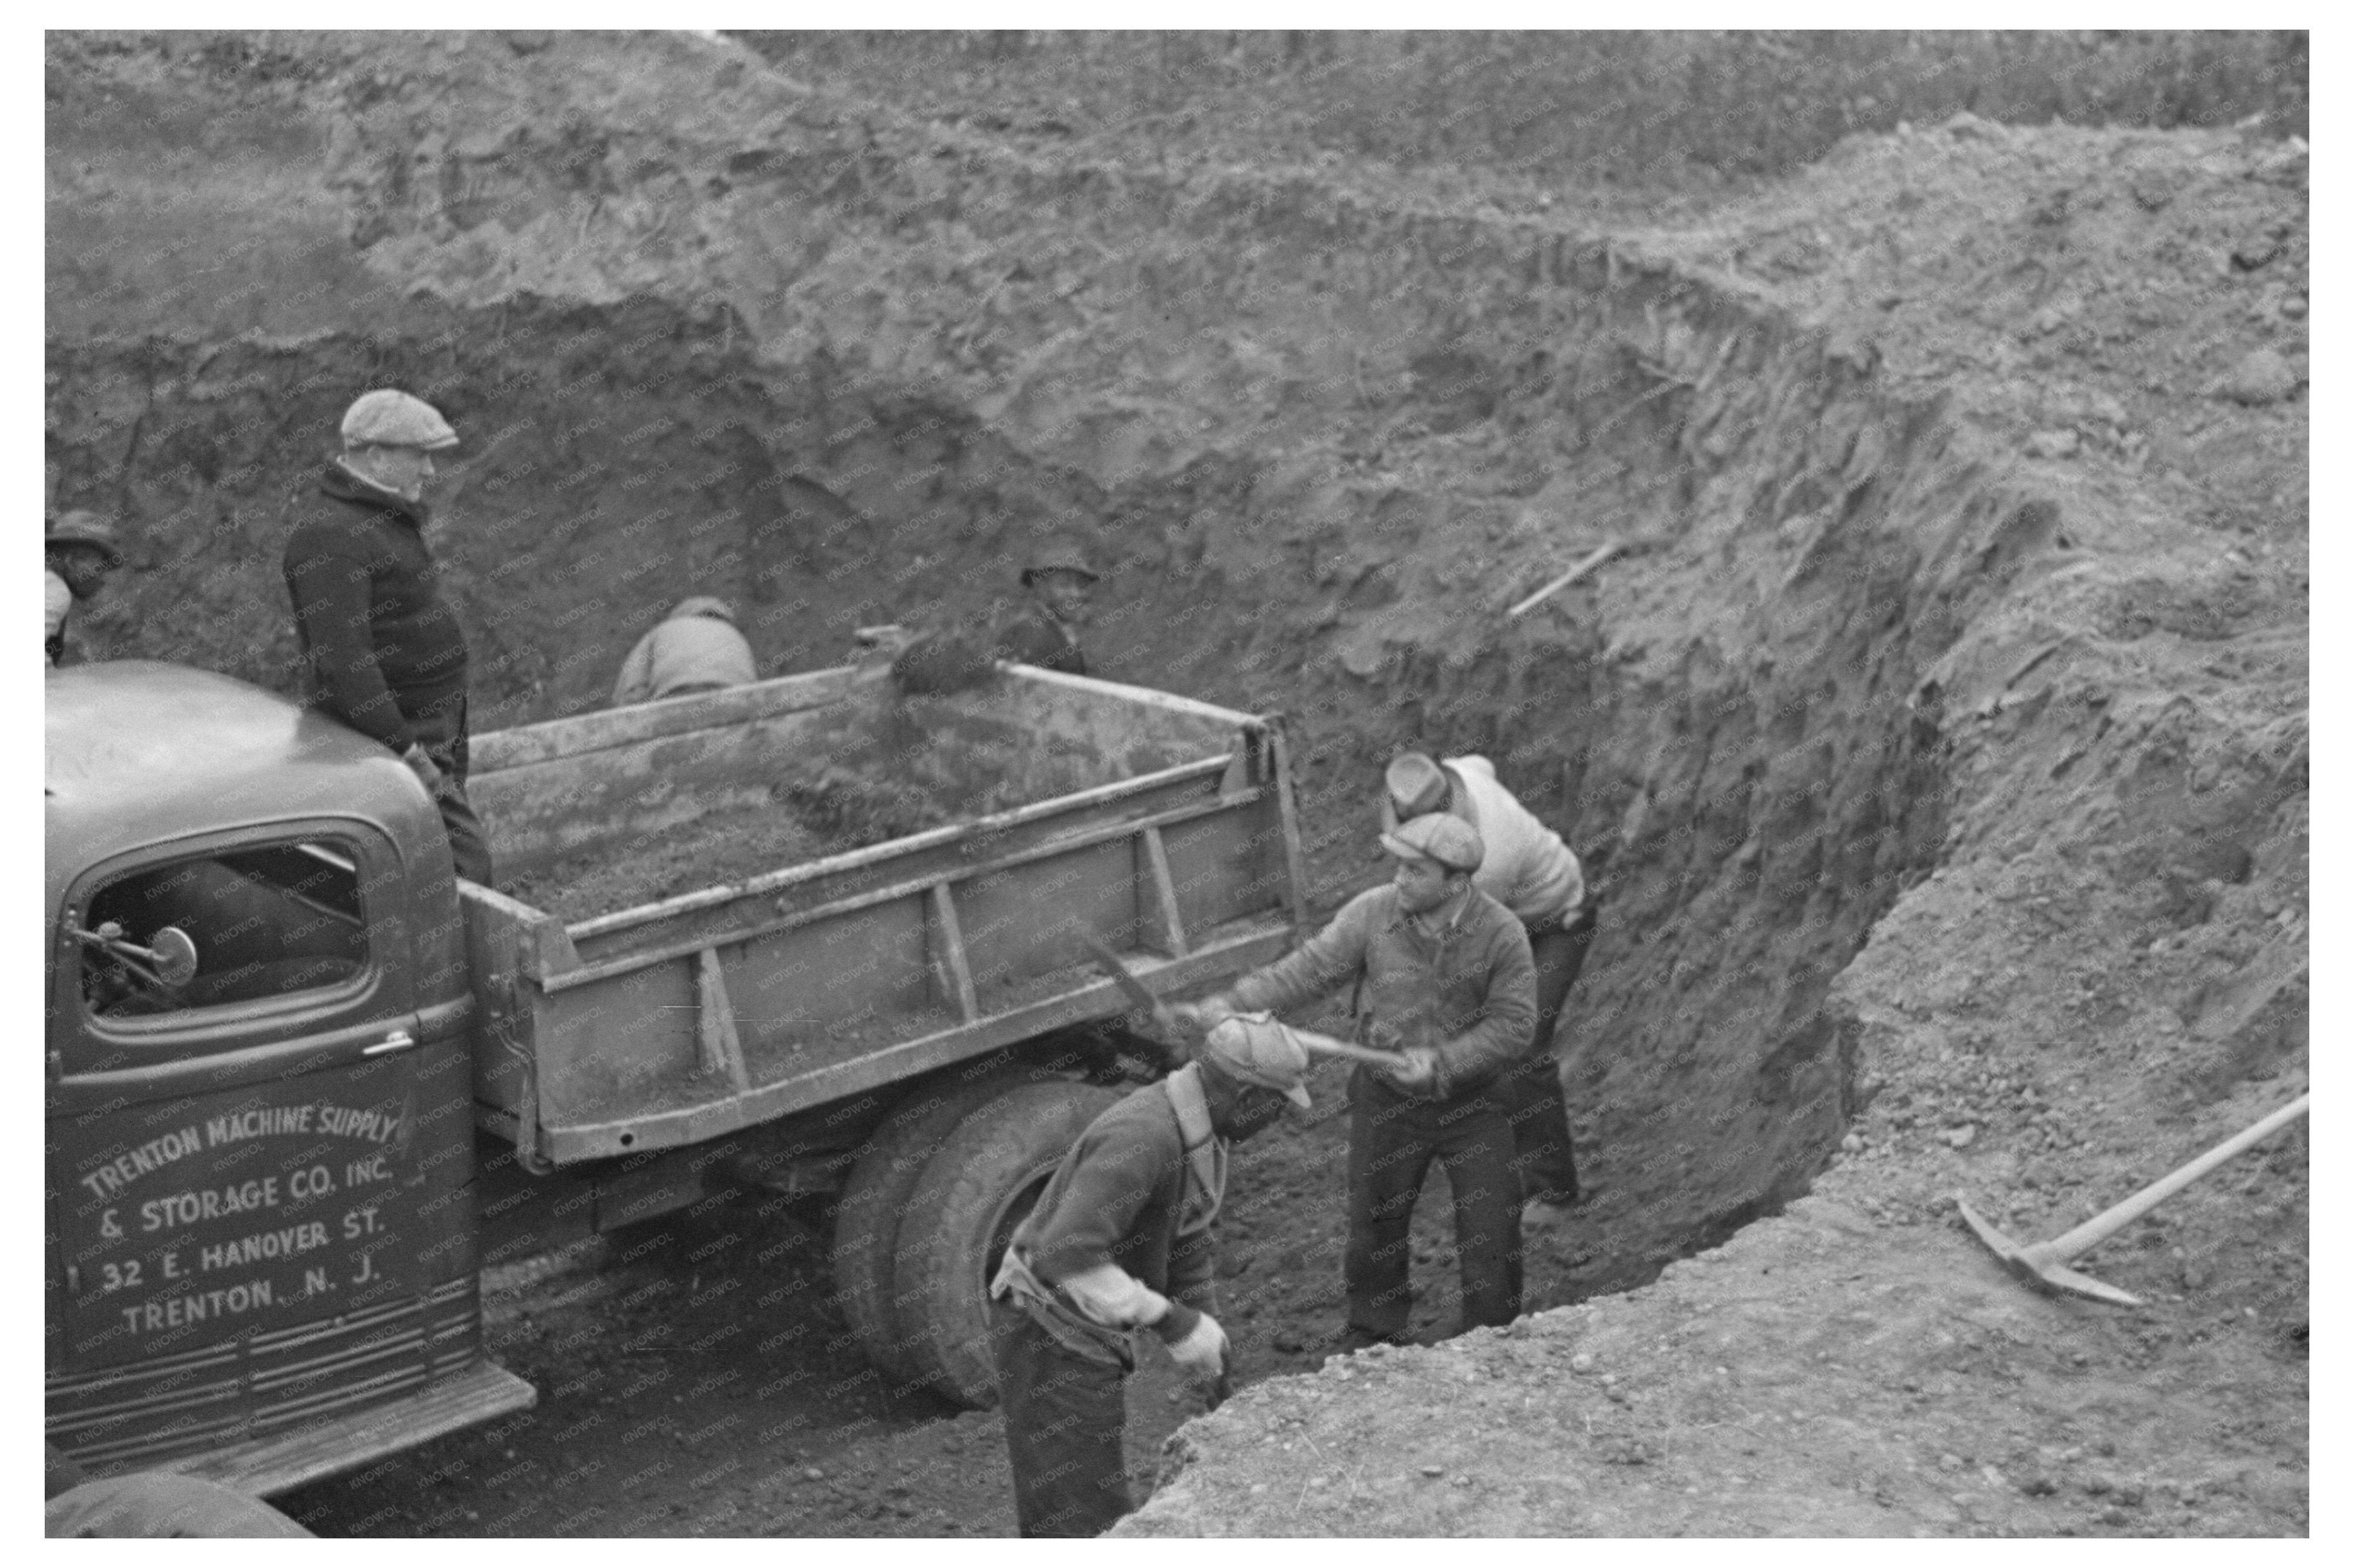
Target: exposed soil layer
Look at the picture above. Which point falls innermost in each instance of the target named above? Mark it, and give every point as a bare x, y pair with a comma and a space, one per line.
1936, 737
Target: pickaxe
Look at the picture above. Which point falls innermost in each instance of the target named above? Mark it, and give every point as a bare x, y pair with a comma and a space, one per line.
2044, 1263
1139, 993
1134, 989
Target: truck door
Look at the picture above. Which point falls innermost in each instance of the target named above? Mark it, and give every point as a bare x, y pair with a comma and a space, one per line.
257, 1174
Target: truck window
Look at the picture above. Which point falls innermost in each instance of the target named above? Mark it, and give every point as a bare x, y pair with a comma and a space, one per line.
269, 921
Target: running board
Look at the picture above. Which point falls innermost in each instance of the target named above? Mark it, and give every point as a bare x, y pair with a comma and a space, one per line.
268, 1466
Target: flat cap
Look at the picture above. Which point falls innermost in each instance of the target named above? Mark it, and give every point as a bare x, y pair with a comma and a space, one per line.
83, 528
1449, 840
1254, 1049
1416, 785
386, 417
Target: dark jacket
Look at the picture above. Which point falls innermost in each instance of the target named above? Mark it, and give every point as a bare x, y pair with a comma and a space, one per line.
380, 646
1470, 991
1036, 637
1119, 1197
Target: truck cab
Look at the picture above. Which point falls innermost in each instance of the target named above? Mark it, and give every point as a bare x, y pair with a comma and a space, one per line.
260, 1248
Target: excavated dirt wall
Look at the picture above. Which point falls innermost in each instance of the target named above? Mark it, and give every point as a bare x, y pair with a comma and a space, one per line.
1750, 795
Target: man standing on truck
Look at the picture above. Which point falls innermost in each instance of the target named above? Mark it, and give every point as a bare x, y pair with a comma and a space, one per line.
81, 553
382, 650
1532, 873
1120, 1240
1443, 979
1046, 633
695, 649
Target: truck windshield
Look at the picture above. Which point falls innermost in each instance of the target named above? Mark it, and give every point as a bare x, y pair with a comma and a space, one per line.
267, 921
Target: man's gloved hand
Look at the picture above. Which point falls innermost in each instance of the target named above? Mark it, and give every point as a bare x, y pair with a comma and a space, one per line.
1203, 1351
1417, 1069
423, 767
1205, 1015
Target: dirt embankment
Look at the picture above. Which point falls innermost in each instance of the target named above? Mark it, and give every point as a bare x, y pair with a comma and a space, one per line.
1937, 739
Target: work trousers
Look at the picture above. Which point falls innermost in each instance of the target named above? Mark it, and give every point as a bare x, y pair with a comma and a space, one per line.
1392, 1139
1064, 1415
442, 732
1530, 1092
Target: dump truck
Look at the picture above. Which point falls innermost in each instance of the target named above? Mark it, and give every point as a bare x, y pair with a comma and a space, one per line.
303, 1082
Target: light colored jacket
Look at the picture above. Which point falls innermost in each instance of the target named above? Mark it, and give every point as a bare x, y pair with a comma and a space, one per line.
695, 651
1527, 868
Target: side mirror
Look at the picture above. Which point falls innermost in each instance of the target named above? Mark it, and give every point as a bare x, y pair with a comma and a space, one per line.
175, 956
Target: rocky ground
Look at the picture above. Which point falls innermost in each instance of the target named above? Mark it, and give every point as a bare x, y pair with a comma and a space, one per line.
1936, 735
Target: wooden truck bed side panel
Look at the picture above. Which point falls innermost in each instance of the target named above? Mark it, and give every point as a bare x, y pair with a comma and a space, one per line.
703, 1015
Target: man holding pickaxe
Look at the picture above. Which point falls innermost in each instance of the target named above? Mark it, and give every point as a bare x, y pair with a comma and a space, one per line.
1446, 1006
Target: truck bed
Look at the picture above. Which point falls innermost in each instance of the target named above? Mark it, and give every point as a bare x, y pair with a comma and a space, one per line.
758, 981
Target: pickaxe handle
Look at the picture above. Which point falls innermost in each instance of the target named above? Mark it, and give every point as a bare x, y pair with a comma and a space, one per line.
2107, 1222
1326, 1045
1133, 989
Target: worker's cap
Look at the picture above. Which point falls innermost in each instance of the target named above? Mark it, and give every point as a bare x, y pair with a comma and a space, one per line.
385, 417
1059, 556
84, 528
1256, 1049
703, 604
1447, 841
1417, 785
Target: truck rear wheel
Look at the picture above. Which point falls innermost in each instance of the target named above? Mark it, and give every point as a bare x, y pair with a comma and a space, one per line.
875, 1199
973, 1192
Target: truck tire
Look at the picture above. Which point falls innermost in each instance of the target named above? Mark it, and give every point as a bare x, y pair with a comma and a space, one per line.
875, 1199
973, 1192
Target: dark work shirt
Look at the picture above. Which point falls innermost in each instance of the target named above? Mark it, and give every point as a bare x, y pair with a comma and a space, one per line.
381, 646
1037, 637
1119, 1197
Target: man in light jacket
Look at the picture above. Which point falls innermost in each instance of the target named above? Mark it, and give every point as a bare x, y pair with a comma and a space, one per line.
1532, 873
697, 648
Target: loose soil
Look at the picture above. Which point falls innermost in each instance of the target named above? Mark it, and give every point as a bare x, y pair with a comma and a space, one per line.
721, 847
1937, 739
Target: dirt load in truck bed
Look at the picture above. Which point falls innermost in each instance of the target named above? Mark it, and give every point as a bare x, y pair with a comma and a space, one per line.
801, 822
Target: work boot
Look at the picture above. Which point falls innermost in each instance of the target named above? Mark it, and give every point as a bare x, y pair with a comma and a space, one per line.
1545, 1212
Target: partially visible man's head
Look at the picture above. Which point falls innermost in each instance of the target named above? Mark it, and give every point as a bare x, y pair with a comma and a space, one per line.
1416, 785
1251, 1067
390, 440
1059, 577
79, 547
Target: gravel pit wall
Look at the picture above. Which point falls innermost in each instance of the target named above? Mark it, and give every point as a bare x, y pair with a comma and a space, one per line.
1724, 722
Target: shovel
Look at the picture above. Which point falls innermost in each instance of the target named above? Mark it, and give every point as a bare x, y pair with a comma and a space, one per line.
2045, 1264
